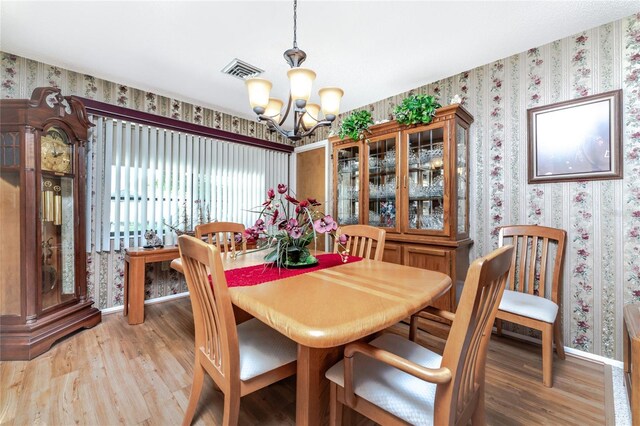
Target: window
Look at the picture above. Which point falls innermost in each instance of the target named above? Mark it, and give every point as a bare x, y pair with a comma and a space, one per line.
143, 177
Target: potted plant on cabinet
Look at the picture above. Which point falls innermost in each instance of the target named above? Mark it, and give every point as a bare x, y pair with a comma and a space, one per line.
416, 109
355, 125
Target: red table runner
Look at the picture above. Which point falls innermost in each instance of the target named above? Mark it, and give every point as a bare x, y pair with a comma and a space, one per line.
259, 274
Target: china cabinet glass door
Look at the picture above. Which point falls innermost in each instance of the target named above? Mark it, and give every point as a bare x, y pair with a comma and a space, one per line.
382, 182
425, 181
462, 173
347, 184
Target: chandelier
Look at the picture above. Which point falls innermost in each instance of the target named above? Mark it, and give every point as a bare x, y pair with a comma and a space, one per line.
306, 116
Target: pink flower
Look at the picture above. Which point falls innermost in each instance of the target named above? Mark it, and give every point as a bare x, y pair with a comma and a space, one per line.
271, 194
581, 340
295, 232
583, 253
313, 201
290, 199
304, 204
343, 238
326, 224
293, 229
282, 188
274, 218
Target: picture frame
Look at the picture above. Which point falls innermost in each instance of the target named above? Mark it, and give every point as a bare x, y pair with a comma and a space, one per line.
574, 140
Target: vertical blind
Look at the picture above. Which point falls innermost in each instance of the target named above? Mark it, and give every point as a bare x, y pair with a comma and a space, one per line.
143, 177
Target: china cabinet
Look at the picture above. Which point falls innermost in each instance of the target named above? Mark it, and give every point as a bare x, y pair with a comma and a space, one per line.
412, 181
43, 288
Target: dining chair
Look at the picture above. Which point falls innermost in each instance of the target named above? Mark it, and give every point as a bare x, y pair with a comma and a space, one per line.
528, 300
222, 234
361, 239
240, 359
393, 380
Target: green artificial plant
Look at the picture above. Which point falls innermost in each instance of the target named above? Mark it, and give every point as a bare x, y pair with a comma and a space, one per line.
355, 124
416, 109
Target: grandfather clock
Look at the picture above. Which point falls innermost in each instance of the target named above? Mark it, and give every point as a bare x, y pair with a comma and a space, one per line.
43, 285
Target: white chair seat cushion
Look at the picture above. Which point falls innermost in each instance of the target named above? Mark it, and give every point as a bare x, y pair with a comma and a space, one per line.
397, 392
528, 305
262, 349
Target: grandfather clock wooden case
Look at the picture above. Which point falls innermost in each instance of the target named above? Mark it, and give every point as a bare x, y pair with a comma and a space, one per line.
43, 286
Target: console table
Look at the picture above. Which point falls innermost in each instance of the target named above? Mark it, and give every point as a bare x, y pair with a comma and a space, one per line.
631, 348
135, 260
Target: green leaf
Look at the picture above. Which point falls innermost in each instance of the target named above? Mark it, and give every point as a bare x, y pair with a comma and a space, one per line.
271, 257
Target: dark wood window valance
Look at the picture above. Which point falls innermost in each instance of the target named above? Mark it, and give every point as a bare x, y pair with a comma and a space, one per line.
108, 110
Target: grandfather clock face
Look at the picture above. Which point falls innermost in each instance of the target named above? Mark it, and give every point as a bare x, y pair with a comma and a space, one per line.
56, 151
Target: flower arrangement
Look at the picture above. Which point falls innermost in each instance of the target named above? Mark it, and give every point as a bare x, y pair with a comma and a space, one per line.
287, 226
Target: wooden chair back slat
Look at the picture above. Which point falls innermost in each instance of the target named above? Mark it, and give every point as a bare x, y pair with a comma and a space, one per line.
361, 239
215, 329
466, 348
533, 259
543, 267
523, 263
515, 243
223, 235
529, 272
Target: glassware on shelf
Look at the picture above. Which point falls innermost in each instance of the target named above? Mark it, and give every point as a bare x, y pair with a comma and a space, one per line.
414, 159
374, 162
435, 158
348, 166
348, 220
425, 156
413, 220
389, 160
374, 218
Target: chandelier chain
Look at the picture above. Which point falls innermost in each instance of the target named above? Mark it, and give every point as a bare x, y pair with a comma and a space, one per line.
295, 25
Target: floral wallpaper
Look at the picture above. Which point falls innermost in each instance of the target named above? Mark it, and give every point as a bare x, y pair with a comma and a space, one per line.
602, 218
105, 270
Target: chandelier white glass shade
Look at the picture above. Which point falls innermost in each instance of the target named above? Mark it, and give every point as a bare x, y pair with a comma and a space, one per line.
306, 116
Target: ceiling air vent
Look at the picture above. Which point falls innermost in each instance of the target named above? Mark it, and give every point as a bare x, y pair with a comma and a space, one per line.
241, 70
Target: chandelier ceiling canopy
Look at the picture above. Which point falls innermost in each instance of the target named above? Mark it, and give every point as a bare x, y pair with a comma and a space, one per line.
306, 118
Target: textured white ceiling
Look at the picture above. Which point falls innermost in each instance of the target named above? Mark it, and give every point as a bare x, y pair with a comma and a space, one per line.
372, 49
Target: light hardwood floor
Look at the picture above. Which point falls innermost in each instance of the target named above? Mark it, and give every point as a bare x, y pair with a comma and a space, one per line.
121, 374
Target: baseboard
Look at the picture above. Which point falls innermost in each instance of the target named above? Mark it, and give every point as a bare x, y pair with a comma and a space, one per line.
569, 351
161, 299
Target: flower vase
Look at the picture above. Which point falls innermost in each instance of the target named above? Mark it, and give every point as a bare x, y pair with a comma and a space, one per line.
293, 260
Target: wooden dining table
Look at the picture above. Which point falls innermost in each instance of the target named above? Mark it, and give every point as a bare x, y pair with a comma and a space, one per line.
325, 309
